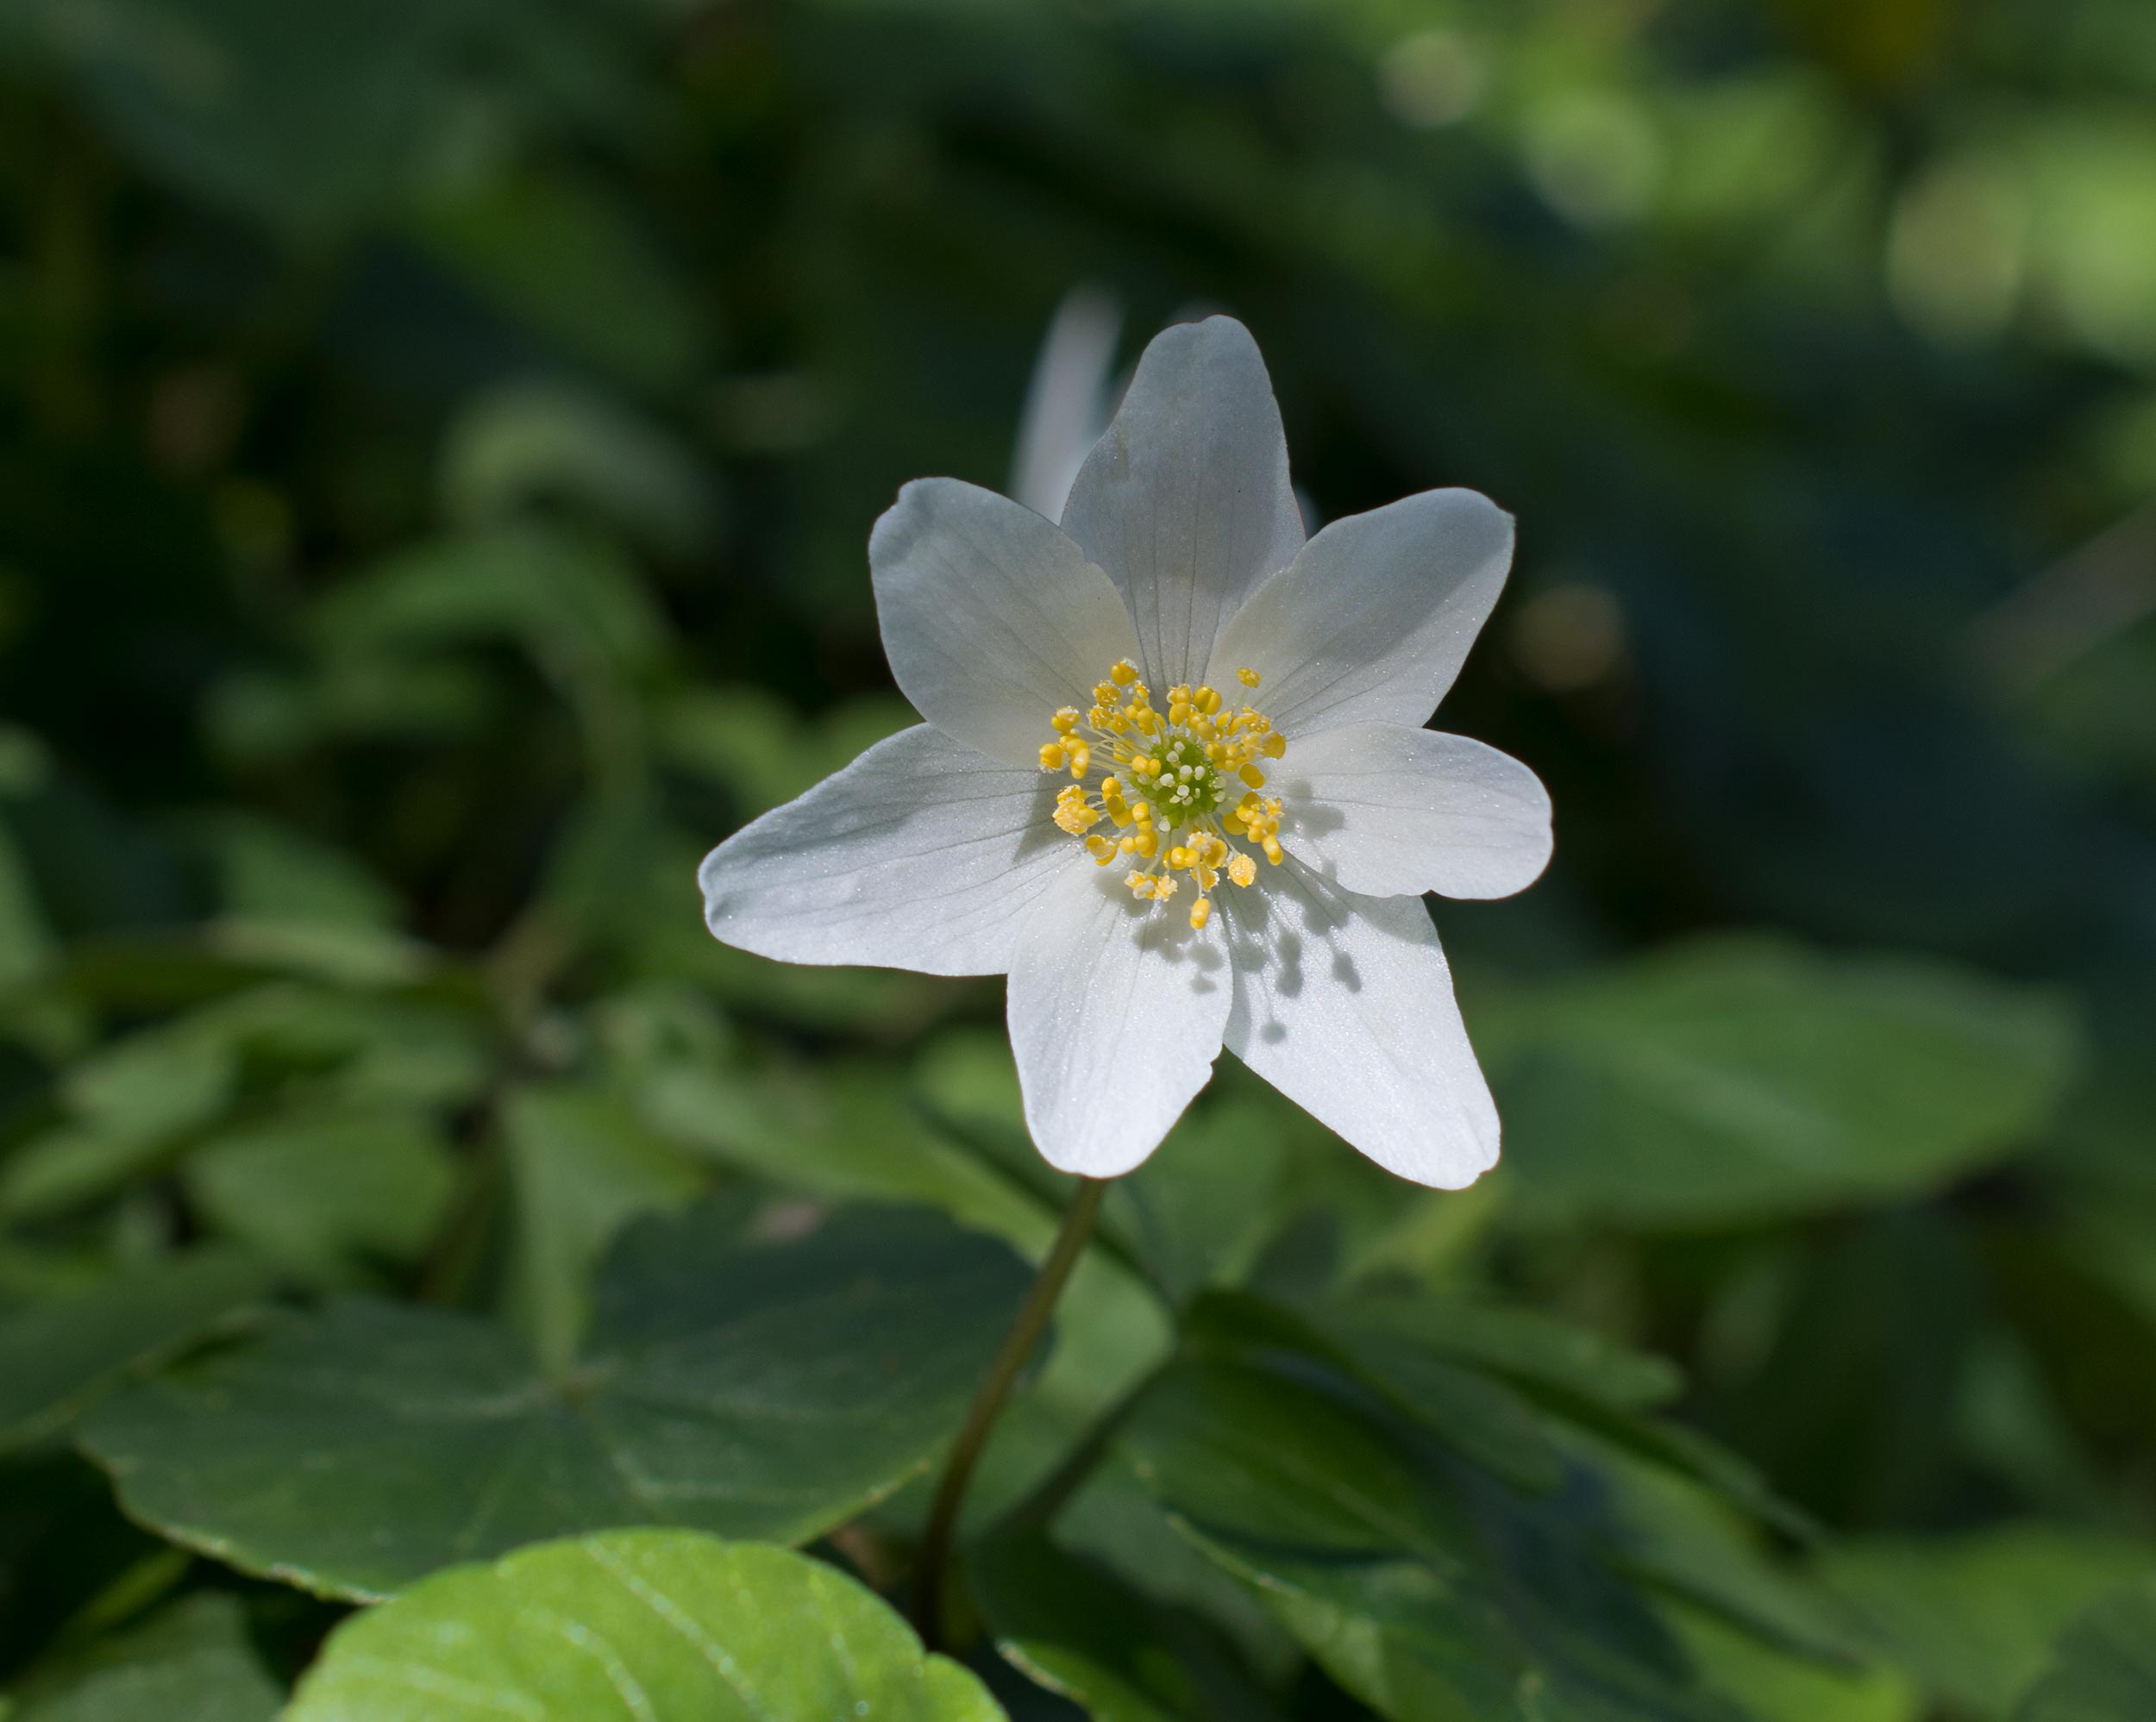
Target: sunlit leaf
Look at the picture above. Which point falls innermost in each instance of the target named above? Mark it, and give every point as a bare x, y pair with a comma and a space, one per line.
665, 1627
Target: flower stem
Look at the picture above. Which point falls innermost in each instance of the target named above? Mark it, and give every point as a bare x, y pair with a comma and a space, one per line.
987, 1405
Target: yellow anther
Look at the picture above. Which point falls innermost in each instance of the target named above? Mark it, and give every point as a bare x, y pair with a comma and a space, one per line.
1166, 772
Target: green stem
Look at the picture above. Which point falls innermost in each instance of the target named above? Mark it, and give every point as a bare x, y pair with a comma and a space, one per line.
987, 1405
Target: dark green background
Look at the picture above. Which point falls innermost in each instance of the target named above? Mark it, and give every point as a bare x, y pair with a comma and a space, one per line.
438, 440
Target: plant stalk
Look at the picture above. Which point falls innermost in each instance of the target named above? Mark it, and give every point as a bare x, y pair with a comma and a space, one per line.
987, 1405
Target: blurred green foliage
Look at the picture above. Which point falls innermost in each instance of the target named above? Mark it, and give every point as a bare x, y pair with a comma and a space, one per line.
437, 443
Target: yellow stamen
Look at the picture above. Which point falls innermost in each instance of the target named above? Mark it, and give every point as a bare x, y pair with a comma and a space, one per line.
1167, 774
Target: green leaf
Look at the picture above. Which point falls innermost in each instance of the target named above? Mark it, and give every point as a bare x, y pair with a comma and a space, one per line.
1537, 1352
1425, 1588
762, 750
322, 1195
190, 1660
562, 257
732, 1383
1738, 1080
653, 1625
1773, 1686
1972, 1618
269, 872
537, 440
850, 1133
58, 1358
2104, 1667
583, 1166
310, 122
1117, 1654
1481, 1419
1423, 1347
576, 602
26, 944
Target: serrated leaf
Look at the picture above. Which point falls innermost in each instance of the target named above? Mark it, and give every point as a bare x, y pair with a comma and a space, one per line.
58, 1358
731, 1382
660, 1626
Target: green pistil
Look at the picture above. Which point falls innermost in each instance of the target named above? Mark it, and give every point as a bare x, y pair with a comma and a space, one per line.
1189, 785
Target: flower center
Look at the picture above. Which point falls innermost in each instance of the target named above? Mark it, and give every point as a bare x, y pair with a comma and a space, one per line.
1182, 787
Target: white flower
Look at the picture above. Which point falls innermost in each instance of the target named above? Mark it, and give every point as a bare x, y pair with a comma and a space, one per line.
1174, 782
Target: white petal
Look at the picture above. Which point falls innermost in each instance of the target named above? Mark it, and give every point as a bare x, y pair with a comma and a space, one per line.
992, 618
1372, 621
1184, 500
1066, 403
922, 855
1387, 811
1345, 1005
1116, 1011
